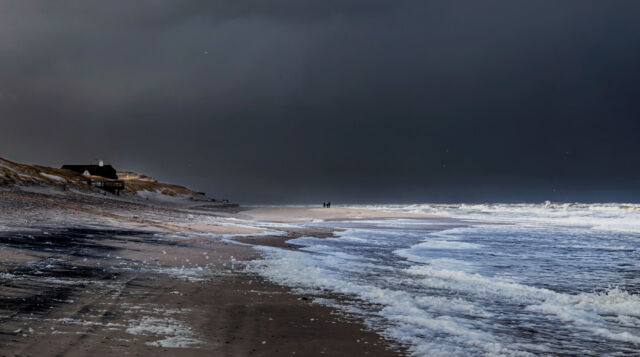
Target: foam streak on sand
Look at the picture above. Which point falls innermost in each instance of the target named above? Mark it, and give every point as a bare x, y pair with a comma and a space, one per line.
512, 287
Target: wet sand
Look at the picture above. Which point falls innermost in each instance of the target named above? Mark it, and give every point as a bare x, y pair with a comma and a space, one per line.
87, 275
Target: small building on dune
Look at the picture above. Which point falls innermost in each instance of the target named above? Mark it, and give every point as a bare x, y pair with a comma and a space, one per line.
100, 176
106, 171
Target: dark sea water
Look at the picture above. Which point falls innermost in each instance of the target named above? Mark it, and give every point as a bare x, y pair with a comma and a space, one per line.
487, 280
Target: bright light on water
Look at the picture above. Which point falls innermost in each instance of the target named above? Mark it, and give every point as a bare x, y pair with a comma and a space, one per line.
490, 280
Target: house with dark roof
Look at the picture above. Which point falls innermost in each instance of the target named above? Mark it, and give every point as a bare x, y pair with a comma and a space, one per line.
106, 171
94, 174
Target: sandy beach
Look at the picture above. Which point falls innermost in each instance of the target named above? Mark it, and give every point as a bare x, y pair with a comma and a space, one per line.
85, 274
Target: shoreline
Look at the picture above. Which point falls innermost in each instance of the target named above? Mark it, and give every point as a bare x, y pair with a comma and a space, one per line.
106, 291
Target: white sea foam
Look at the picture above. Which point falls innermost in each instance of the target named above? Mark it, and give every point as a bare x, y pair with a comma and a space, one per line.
407, 312
192, 274
445, 244
465, 290
173, 333
175, 342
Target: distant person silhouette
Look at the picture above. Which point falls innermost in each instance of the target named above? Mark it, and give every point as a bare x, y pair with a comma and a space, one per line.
324, 204
329, 204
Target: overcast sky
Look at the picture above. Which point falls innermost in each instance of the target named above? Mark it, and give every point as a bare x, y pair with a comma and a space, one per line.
343, 100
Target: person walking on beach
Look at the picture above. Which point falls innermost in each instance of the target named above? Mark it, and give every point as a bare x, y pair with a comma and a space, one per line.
324, 204
329, 204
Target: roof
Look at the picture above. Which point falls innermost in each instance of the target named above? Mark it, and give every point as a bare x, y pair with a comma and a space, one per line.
106, 171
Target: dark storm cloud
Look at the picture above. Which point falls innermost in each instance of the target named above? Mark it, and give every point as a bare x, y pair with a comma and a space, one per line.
350, 100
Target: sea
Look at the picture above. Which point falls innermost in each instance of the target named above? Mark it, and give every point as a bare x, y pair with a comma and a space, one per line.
481, 279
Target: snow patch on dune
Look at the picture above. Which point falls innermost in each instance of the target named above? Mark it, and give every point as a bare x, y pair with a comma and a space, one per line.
53, 177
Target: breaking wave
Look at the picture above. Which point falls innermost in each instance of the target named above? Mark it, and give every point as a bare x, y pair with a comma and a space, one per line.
518, 282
